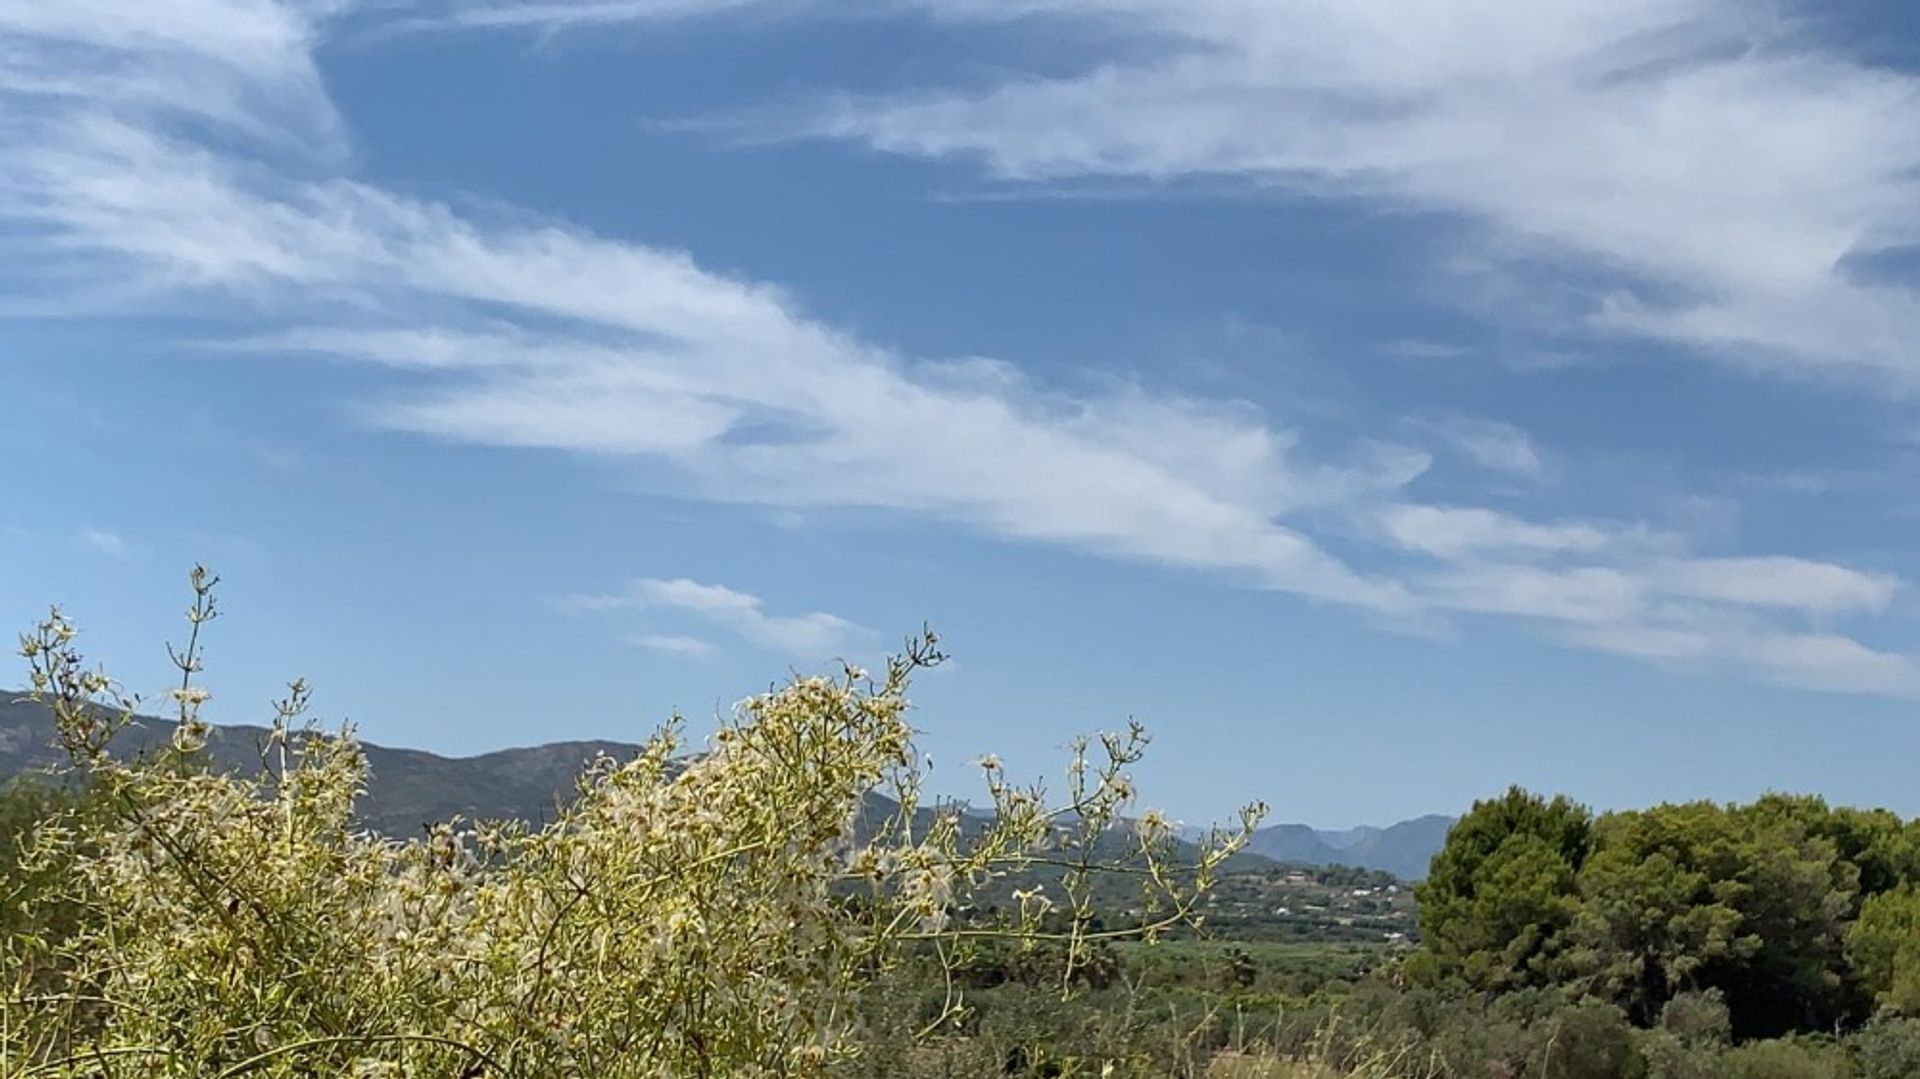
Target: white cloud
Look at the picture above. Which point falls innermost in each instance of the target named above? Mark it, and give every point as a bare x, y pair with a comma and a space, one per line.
107, 543
1791, 583
544, 336
1581, 595
1814, 661
1618, 591
1705, 166
552, 15
243, 66
812, 636
1639, 593
674, 363
658, 358
666, 644
1825, 661
1451, 532
1498, 447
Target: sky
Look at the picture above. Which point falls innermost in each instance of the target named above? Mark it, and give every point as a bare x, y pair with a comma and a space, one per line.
1384, 402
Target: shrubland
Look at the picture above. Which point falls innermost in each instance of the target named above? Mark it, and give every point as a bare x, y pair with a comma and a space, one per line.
751, 906
718, 913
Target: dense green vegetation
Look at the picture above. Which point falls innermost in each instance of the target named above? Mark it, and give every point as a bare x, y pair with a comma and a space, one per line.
759, 910
1773, 940
1800, 916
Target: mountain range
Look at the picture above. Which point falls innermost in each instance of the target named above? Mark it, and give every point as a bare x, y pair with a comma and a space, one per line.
410, 788
1403, 849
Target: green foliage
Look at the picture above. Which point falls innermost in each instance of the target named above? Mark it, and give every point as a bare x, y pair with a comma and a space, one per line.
1654, 915
1698, 1018
37, 857
1885, 947
1797, 914
1882, 848
1536, 1033
740, 912
1785, 1059
1667, 1058
1697, 896
1888, 1049
713, 916
1371, 1030
26, 804
1501, 894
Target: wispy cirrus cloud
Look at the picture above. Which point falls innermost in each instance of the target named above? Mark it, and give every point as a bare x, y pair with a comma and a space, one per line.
540, 335
813, 635
551, 15
1454, 531
111, 544
1708, 172
1490, 444
1639, 593
723, 380
673, 645
1798, 584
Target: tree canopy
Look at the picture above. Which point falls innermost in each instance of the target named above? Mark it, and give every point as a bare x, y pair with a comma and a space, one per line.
1801, 916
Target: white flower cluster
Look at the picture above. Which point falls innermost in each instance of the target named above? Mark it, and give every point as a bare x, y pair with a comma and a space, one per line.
680, 916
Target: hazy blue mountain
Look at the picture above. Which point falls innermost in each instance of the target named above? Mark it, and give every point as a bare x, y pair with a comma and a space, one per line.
1403, 849
1349, 838
1293, 843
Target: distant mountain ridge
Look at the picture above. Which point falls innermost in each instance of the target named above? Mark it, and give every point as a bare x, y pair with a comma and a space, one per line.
1403, 849
412, 787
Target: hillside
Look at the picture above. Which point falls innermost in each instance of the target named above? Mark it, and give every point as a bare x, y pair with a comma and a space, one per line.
411, 787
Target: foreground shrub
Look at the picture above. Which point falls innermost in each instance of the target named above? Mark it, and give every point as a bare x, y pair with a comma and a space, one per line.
1698, 1018
1786, 1058
1889, 1049
712, 916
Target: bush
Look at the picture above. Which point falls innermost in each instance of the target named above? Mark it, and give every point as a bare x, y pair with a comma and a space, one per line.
1698, 1018
1666, 1055
1888, 1049
684, 917
1787, 1058
1536, 1033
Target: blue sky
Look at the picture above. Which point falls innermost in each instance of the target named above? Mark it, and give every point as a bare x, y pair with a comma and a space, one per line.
1385, 402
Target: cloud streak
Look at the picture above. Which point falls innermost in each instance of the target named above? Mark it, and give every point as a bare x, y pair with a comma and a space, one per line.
1702, 171
811, 636
107, 543
1497, 447
723, 380
670, 645
555, 15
